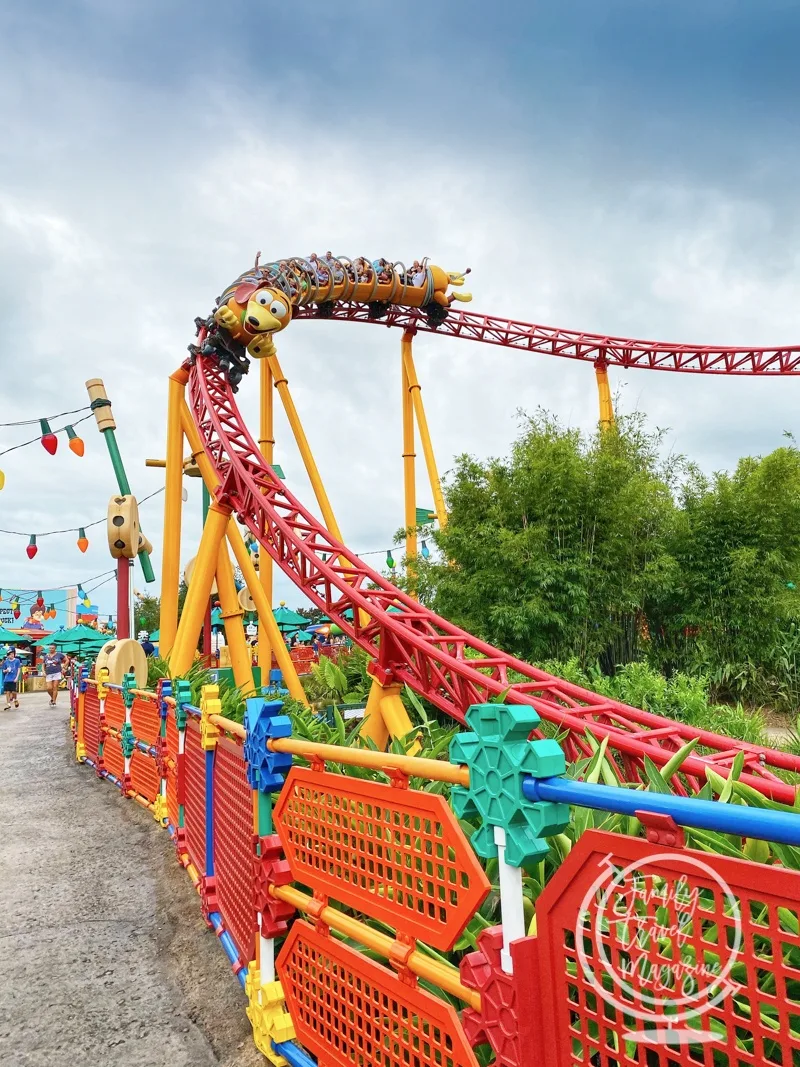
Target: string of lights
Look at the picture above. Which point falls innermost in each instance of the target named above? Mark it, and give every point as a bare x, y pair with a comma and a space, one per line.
51, 418
82, 542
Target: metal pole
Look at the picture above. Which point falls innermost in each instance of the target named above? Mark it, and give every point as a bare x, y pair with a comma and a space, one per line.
106, 425
123, 598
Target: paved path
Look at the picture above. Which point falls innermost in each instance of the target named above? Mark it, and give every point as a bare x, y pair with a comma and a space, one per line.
104, 958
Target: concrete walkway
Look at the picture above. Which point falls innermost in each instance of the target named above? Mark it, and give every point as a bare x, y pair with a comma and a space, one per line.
104, 958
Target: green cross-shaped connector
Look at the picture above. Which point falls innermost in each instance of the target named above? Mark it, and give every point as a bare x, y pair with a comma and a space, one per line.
499, 756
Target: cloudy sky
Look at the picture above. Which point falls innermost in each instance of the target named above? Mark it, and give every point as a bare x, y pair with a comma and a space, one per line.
624, 167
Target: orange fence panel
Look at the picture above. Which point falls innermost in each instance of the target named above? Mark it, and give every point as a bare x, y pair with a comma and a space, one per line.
194, 812
91, 722
172, 768
396, 854
113, 759
145, 779
114, 709
351, 1012
145, 720
233, 847
636, 941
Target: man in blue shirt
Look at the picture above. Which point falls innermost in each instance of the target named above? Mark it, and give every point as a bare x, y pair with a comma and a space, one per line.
12, 666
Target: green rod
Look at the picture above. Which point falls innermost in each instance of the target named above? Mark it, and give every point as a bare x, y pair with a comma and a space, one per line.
125, 489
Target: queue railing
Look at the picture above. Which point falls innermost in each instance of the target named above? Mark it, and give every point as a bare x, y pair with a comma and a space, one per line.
337, 896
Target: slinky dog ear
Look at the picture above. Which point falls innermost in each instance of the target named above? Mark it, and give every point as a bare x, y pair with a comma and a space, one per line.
244, 292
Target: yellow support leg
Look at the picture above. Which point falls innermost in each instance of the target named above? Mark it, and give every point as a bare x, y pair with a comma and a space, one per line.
232, 617
245, 564
264, 610
385, 716
194, 608
409, 472
173, 503
424, 435
267, 444
604, 396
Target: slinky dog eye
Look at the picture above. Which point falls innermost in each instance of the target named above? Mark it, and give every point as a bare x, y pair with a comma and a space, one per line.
263, 298
278, 309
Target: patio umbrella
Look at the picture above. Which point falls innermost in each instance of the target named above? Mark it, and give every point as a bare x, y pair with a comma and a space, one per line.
304, 636
288, 620
8, 637
58, 639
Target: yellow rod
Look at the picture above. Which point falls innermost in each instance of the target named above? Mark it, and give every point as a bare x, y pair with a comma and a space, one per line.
171, 554
424, 435
409, 471
229, 726
282, 385
267, 445
194, 608
414, 766
249, 574
440, 974
604, 396
232, 617
264, 610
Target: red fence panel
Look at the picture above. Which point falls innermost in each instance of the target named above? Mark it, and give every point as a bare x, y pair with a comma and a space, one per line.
145, 720
637, 940
114, 709
233, 847
397, 854
91, 721
194, 810
113, 759
351, 1012
145, 779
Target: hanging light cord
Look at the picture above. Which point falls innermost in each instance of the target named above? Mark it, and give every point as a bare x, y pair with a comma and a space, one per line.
33, 440
49, 418
74, 529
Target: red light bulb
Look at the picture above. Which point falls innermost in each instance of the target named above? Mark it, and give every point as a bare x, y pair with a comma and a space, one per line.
32, 548
49, 439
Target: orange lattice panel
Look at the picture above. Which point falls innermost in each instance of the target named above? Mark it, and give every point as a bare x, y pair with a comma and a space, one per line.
113, 759
114, 708
621, 928
91, 722
233, 846
396, 854
144, 776
145, 720
351, 1012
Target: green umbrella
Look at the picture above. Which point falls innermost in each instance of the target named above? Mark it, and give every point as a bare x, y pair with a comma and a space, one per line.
288, 620
304, 636
58, 639
154, 636
8, 637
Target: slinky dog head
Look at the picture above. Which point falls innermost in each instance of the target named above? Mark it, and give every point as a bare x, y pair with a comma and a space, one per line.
263, 310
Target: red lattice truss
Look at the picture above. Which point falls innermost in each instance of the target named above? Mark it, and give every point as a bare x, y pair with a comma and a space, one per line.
571, 344
439, 661
233, 847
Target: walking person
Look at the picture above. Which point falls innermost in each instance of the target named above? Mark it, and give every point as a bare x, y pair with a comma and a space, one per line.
52, 672
12, 668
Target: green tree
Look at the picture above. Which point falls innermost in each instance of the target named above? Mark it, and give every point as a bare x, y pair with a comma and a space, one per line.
147, 610
556, 550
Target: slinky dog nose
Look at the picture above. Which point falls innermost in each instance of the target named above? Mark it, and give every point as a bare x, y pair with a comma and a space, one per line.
252, 320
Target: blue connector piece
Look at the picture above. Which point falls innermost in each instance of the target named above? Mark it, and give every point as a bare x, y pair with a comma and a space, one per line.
84, 685
264, 722
164, 691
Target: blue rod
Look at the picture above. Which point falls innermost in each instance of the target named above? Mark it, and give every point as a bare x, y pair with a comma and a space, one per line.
209, 812
227, 943
294, 1056
780, 826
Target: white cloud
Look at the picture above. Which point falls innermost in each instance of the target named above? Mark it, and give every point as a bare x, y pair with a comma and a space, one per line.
148, 202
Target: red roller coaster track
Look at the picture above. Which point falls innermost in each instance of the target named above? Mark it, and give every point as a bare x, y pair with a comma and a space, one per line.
437, 660
589, 347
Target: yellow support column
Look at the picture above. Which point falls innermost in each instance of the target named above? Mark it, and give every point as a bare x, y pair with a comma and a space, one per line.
173, 502
245, 564
604, 395
385, 716
267, 444
264, 610
194, 608
422, 424
282, 385
232, 617
409, 456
